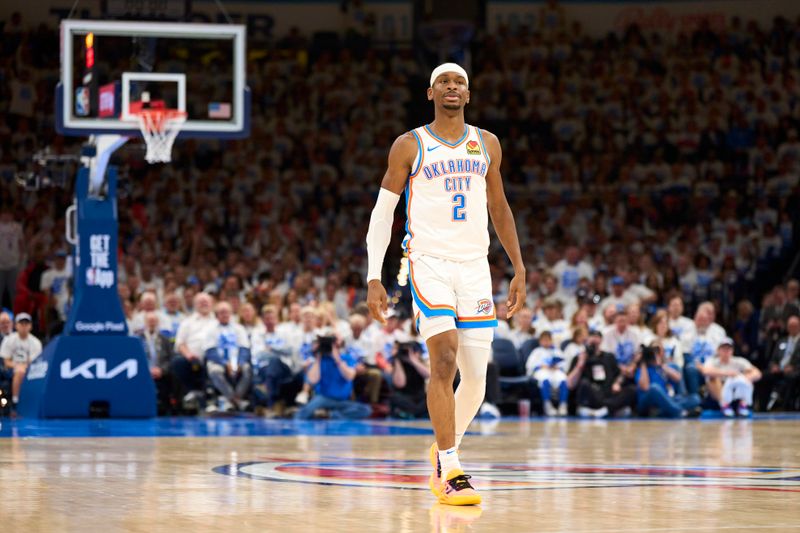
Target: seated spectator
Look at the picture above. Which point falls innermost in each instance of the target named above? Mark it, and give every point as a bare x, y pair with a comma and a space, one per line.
679, 325
580, 320
6, 325
292, 326
158, 349
228, 361
369, 378
148, 303
782, 378
730, 380
553, 321
409, 374
673, 349
700, 344
546, 366
598, 382
331, 370
622, 341
656, 392
576, 345
588, 303
171, 316
18, 350
523, 329
710, 309
637, 323
569, 270
310, 320
188, 365
278, 374
248, 318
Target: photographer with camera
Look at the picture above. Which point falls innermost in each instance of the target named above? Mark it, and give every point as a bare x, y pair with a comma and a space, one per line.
655, 391
599, 382
331, 370
409, 373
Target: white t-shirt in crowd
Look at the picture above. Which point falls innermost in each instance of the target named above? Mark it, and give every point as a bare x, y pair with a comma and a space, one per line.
228, 339
737, 364
673, 351
292, 333
701, 346
569, 275
622, 345
194, 333
20, 351
558, 328
681, 326
545, 357
571, 351
367, 344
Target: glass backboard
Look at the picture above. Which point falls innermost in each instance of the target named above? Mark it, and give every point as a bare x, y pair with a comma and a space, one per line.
109, 67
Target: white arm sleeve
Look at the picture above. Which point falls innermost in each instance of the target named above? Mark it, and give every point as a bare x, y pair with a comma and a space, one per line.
380, 232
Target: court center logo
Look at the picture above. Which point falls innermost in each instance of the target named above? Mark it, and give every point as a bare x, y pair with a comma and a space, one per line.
515, 476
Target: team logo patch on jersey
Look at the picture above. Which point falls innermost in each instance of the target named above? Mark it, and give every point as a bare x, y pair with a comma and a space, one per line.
484, 306
473, 148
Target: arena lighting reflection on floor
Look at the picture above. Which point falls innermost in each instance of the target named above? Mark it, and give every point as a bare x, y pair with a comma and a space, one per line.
258, 427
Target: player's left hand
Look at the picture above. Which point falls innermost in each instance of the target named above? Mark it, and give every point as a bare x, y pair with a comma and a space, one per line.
516, 295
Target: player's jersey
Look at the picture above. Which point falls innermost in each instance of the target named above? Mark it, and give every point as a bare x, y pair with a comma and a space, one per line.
446, 208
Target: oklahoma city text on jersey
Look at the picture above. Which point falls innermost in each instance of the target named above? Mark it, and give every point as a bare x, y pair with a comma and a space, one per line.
446, 196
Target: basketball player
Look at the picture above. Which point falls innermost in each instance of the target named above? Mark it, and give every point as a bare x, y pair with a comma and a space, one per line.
450, 172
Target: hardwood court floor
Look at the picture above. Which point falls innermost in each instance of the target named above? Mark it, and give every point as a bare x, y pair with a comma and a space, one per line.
250, 475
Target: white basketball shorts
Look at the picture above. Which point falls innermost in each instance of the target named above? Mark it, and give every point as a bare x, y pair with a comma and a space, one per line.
461, 292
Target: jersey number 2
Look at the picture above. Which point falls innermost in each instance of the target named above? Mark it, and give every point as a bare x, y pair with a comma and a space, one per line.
458, 209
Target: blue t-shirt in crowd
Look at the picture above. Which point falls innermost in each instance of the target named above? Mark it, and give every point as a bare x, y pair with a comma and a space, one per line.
657, 377
331, 383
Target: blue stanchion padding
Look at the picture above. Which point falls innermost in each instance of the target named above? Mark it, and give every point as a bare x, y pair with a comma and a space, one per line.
73, 372
96, 309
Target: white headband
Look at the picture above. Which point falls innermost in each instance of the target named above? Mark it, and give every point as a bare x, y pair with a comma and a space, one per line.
448, 67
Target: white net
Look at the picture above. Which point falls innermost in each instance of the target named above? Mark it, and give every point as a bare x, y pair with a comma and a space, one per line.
159, 128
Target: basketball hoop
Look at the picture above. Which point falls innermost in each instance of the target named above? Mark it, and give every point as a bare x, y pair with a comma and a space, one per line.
159, 128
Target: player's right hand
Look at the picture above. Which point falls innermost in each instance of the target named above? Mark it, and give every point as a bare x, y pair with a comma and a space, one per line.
377, 300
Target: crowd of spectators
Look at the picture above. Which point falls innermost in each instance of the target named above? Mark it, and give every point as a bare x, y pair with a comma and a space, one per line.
653, 179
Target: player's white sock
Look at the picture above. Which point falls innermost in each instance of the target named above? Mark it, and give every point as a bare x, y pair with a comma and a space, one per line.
472, 361
449, 461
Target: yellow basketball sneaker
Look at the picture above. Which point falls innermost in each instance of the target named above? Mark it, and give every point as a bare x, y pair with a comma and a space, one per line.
435, 481
456, 490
